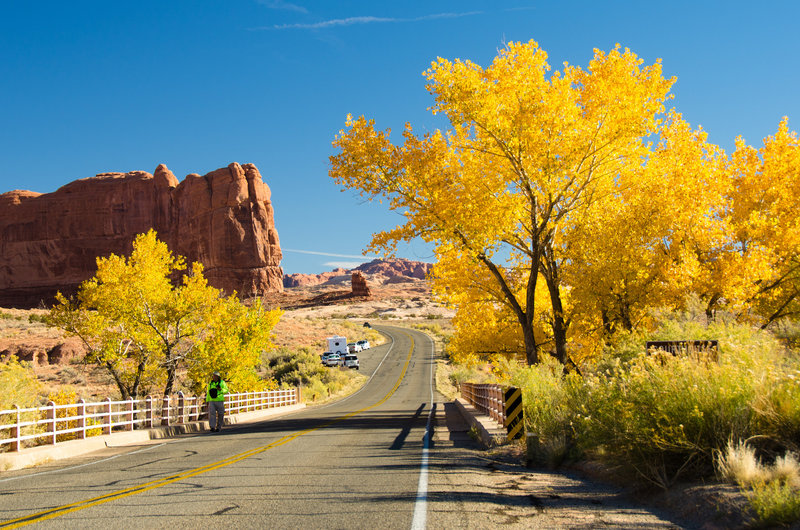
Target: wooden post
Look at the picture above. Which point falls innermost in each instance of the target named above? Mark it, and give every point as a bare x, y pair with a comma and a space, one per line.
129, 415
51, 422
165, 411
196, 408
108, 419
180, 407
15, 433
81, 408
148, 412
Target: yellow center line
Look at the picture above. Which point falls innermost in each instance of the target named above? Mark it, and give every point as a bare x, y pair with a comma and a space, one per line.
147, 486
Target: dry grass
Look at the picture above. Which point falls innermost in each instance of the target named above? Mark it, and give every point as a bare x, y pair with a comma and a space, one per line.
740, 465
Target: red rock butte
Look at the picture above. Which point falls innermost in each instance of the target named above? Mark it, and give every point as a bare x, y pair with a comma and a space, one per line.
224, 220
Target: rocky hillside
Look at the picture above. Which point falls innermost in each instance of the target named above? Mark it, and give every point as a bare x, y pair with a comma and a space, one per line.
223, 219
377, 272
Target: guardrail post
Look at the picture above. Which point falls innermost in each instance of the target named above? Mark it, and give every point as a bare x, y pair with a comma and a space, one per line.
129, 414
497, 403
165, 411
81, 408
195, 408
297, 395
51, 422
180, 407
15, 433
108, 419
148, 412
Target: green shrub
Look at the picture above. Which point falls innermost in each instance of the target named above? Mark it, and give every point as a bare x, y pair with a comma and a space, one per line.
788, 331
548, 404
19, 387
775, 503
19, 384
662, 417
302, 368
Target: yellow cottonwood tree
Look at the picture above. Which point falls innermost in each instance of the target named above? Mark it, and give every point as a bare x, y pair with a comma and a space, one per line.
526, 155
765, 224
650, 242
143, 328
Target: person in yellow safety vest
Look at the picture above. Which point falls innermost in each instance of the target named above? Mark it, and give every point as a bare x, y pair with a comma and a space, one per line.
215, 397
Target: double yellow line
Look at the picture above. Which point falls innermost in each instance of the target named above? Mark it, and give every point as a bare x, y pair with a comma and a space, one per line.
141, 488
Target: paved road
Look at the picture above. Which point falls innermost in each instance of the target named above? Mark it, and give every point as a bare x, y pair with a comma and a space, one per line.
352, 464
358, 463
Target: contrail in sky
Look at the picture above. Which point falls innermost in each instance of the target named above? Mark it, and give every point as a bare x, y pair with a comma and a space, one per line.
350, 21
316, 253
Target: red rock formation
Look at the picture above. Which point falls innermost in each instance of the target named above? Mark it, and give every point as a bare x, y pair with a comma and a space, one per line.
379, 271
336, 276
224, 220
396, 267
360, 287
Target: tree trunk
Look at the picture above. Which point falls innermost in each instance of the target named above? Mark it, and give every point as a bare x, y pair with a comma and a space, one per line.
124, 391
560, 324
531, 349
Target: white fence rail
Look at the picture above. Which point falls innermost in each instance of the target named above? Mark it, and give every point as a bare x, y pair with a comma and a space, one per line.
53, 423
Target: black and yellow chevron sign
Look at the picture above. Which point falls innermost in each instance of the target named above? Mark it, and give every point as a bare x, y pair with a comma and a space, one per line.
513, 407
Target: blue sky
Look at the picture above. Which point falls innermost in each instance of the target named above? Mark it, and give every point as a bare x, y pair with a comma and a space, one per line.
95, 86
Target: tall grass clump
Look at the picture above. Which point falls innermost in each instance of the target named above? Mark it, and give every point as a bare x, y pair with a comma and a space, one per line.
662, 418
548, 399
773, 491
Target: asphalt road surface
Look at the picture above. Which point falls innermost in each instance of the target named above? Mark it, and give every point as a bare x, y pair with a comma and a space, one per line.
356, 463
392, 455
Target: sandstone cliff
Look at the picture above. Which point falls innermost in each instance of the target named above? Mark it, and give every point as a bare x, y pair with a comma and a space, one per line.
50, 242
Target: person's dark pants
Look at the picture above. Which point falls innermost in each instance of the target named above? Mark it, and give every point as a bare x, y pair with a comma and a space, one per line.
216, 414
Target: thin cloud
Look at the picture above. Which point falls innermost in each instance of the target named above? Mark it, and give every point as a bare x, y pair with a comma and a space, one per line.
351, 21
342, 264
329, 254
283, 6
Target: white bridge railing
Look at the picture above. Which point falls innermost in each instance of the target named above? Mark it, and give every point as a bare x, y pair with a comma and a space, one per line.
53, 423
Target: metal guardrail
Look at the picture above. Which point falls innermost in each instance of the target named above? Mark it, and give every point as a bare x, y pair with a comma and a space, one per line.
502, 404
486, 398
53, 423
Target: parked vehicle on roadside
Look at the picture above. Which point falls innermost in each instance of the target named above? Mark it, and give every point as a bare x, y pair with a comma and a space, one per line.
353, 347
331, 359
351, 361
364, 344
337, 344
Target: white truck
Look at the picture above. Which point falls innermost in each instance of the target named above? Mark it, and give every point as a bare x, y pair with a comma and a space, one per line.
338, 345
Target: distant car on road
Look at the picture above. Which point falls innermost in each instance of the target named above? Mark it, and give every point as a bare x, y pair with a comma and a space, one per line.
351, 361
331, 359
353, 347
364, 344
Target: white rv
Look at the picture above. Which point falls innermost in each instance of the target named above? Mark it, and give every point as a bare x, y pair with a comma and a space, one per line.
337, 345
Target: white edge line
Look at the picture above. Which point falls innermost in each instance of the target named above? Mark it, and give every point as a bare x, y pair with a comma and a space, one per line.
421, 506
